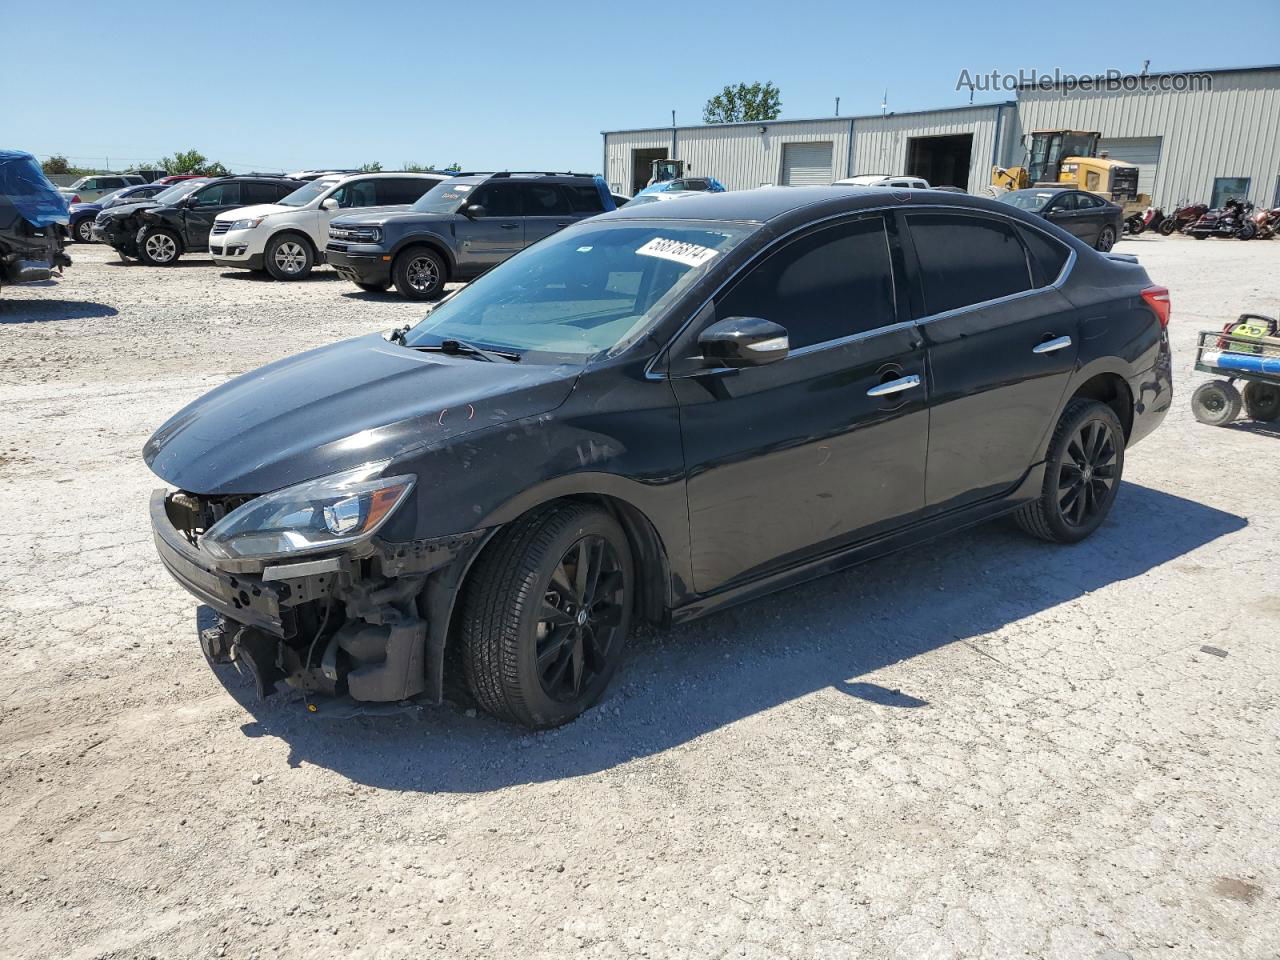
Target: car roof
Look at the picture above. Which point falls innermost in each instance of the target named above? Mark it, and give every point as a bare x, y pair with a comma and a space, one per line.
772, 203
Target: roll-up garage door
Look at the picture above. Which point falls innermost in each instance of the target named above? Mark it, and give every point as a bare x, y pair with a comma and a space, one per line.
806, 164
1142, 152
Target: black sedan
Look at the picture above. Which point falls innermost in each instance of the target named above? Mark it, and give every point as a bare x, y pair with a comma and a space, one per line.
651, 415
1096, 221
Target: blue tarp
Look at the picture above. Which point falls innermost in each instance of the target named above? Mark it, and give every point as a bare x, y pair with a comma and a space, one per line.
24, 184
679, 184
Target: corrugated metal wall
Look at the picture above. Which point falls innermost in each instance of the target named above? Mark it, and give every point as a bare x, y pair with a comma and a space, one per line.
741, 157
617, 154
1232, 130
880, 143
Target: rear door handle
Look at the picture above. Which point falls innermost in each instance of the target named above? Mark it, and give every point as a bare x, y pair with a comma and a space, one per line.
510, 226
894, 386
1049, 346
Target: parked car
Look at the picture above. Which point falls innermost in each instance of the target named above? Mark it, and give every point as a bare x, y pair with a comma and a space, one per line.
1096, 221
948, 188
683, 184
643, 198
33, 215
179, 177
287, 238
160, 232
82, 214
90, 188
650, 418
879, 180
459, 229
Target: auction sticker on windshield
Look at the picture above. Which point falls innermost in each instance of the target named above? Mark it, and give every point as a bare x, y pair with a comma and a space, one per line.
690, 254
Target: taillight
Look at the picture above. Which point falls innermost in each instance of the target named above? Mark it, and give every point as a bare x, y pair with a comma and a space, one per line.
75, 198
1158, 300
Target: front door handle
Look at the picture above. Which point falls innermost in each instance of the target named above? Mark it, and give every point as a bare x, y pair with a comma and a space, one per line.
510, 226
1049, 346
894, 386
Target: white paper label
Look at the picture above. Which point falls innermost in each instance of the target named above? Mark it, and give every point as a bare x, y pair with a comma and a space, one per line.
690, 254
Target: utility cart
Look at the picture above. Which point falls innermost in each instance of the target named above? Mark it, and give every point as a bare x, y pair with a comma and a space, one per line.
1247, 350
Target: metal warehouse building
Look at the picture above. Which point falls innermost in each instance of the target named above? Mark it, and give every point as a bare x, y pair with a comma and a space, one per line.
1215, 140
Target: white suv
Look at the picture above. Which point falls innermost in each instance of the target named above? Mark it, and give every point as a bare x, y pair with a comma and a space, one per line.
880, 180
287, 239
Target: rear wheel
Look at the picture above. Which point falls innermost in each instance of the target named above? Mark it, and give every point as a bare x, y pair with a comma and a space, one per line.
1168, 226
1216, 403
160, 248
1106, 239
1081, 477
545, 615
1262, 401
419, 274
289, 257
1247, 230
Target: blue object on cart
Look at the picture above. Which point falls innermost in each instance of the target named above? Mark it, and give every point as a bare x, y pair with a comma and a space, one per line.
1244, 362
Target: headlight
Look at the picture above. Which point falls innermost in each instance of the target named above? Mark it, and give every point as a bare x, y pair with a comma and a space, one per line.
246, 224
316, 515
355, 234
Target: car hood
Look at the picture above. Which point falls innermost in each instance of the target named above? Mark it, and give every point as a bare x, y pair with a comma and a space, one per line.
128, 209
381, 216
257, 210
338, 407
82, 207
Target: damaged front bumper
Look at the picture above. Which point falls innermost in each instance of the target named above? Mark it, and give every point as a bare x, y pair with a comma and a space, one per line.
370, 621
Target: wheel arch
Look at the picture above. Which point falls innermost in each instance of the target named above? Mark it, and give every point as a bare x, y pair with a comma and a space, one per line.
293, 232
1112, 389
433, 243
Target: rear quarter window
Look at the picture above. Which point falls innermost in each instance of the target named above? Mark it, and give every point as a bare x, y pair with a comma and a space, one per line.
1048, 256
965, 260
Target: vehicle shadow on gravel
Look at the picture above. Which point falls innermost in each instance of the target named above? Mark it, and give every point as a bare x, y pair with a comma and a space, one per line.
679, 684
255, 276
41, 311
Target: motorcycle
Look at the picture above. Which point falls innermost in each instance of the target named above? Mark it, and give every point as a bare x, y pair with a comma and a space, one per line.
1182, 217
1263, 224
1230, 221
1150, 219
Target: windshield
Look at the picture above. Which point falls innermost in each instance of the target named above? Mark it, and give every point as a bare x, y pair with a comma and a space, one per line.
306, 193
178, 191
445, 197
582, 292
1033, 201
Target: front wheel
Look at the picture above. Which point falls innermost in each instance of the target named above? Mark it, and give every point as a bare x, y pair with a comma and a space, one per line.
1216, 403
84, 230
289, 257
419, 274
1081, 477
545, 615
1262, 401
1106, 239
1247, 231
1168, 226
159, 248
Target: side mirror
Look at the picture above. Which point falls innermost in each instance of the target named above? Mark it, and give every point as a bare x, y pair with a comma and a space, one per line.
328, 203
473, 210
743, 342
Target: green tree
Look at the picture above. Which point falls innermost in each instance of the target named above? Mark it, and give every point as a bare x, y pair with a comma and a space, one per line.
744, 102
374, 167
191, 161
56, 164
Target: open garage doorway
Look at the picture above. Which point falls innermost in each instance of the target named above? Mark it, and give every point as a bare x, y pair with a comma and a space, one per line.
642, 166
943, 161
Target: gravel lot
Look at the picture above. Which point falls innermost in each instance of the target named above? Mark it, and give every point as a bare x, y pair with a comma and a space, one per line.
987, 747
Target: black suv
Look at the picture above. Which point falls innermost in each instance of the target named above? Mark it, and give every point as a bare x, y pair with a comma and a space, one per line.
652, 417
32, 218
160, 230
460, 229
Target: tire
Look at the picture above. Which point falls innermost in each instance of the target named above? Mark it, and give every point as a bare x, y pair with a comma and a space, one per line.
1262, 401
373, 287
1201, 236
419, 273
1135, 225
542, 671
289, 257
160, 247
1248, 230
83, 231
1082, 476
1168, 227
1216, 403
1106, 239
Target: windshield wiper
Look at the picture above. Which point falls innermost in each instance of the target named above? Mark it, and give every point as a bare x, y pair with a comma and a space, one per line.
456, 347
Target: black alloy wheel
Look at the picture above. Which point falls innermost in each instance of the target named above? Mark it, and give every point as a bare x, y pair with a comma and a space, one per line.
1106, 239
1082, 475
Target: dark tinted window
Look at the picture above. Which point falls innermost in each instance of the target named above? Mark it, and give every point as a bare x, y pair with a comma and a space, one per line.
251, 193
284, 188
406, 190
544, 200
1064, 201
830, 284
966, 260
498, 199
1048, 256
1087, 201
584, 199
219, 195
357, 193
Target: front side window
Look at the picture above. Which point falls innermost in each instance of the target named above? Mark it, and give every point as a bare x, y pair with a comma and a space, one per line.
589, 289
832, 283
219, 195
966, 260
1065, 201
357, 193
498, 199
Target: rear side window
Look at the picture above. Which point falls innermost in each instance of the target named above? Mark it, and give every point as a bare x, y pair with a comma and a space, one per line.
966, 260
544, 200
219, 195
1048, 256
830, 284
251, 193
584, 199
404, 190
